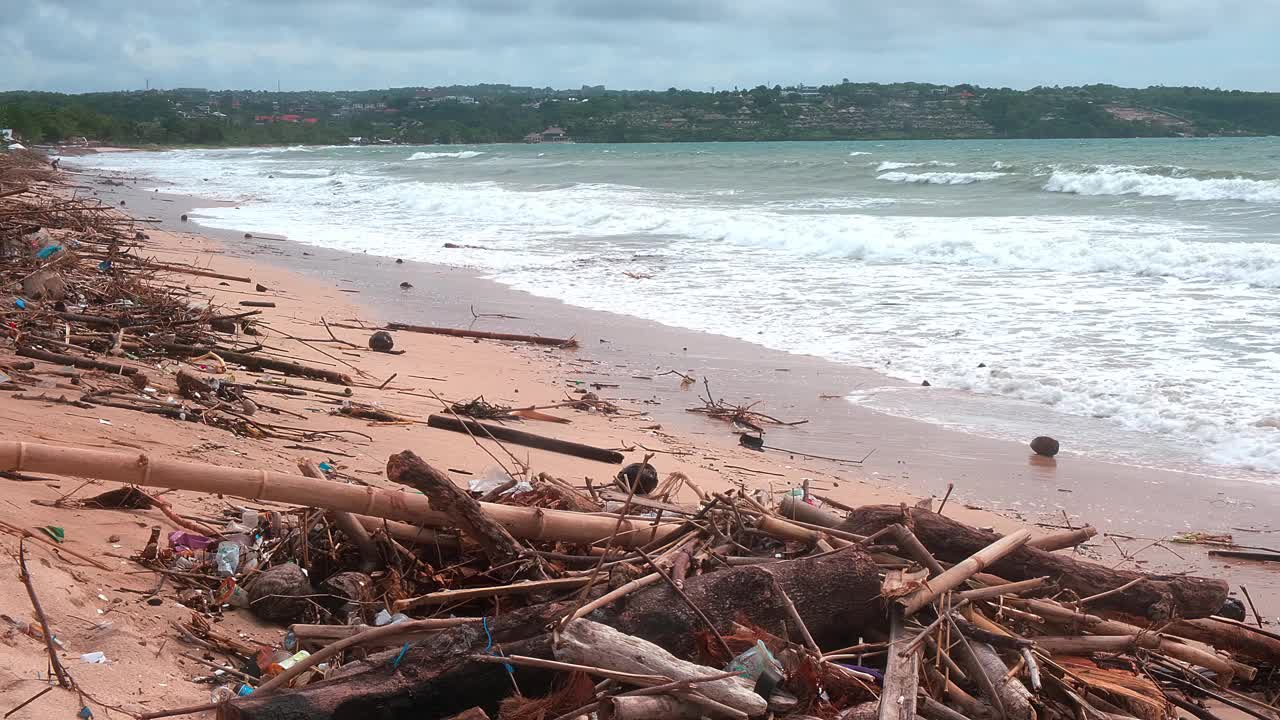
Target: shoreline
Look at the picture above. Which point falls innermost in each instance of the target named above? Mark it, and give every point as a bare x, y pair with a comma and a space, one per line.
133, 616
914, 456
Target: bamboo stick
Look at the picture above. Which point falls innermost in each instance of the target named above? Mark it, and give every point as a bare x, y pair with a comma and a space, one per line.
449, 596
995, 591
963, 570
140, 469
1063, 540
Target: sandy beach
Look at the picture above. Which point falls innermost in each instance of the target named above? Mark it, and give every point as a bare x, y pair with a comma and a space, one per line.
996, 483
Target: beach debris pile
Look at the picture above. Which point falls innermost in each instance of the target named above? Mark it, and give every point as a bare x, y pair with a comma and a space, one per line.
540, 598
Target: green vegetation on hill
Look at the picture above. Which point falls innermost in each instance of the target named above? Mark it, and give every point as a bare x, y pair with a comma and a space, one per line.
503, 113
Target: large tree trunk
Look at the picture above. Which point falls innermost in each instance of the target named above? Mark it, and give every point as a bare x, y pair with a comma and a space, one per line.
1158, 597
436, 680
836, 594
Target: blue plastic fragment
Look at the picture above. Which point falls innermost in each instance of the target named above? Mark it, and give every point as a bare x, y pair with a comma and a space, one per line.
326, 467
104, 265
22, 304
85, 713
46, 252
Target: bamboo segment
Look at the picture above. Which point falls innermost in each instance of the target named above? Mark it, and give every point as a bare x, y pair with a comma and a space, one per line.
964, 570
1065, 539
139, 469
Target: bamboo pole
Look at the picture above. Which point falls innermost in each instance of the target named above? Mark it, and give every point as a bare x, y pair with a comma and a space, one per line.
135, 468
443, 597
963, 570
995, 591
1063, 540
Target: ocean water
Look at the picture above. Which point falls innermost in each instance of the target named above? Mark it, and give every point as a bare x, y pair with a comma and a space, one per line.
1128, 290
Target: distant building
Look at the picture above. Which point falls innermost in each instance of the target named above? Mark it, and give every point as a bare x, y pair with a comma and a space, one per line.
533, 138
554, 135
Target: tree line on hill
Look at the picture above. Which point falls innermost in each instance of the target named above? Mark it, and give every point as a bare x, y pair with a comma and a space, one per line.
499, 113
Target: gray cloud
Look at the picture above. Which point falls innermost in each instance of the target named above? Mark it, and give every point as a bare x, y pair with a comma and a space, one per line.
79, 45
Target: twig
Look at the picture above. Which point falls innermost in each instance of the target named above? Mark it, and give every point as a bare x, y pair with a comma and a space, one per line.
64, 678
29, 700
1256, 616
1112, 591
950, 487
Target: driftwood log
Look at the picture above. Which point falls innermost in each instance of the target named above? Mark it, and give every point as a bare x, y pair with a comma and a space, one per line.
483, 335
520, 437
837, 596
406, 468
1157, 597
590, 643
261, 362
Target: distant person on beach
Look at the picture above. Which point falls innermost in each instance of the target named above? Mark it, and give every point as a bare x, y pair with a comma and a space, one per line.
54, 163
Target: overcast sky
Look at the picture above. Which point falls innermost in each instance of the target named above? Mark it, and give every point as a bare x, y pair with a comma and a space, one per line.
87, 45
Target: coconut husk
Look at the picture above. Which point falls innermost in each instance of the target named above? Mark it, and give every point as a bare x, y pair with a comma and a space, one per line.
280, 593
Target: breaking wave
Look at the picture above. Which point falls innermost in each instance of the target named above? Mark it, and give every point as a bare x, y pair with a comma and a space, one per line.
940, 178
460, 155
891, 165
1135, 182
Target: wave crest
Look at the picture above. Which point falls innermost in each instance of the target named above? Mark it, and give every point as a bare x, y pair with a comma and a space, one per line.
460, 155
940, 178
1134, 182
891, 165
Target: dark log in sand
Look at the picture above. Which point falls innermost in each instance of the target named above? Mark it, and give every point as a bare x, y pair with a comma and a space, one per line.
1157, 597
837, 596
520, 437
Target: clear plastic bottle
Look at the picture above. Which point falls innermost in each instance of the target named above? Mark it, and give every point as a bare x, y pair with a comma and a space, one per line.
227, 558
222, 693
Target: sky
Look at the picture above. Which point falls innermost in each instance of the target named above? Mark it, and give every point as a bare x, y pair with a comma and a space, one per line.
95, 45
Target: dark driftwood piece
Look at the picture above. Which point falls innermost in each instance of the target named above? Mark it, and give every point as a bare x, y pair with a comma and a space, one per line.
453, 332
80, 362
1159, 597
406, 468
836, 594
519, 437
261, 362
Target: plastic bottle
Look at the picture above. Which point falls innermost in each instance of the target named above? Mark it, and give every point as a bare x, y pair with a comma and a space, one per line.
279, 667
222, 693
227, 558
386, 618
